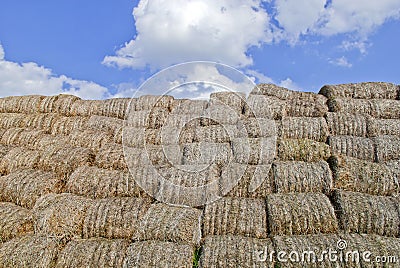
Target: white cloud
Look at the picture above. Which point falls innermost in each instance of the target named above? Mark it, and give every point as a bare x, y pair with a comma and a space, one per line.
342, 62
1, 53
170, 32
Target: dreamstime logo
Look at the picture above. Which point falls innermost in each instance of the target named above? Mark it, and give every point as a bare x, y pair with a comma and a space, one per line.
191, 152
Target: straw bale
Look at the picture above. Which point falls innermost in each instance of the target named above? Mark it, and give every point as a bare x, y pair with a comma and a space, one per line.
188, 106
366, 90
265, 107
180, 120
219, 114
301, 177
4, 149
378, 108
356, 175
114, 217
20, 104
39, 121
257, 127
254, 151
91, 139
57, 104
214, 133
149, 102
273, 91
387, 148
61, 215
167, 223
111, 156
46, 141
15, 221
357, 147
306, 104
11, 120
237, 251
24, 187
96, 252
159, 254
66, 125
10, 136
94, 182
348, 124
19, 158
105, 124
116, 107
86, 108
234, 100
136, 137
302, 150
379, 127
299, 213
364, 213
155, 118
394, 169
30, 251
313, 128
187, 134
307, 250
206, 153
236, 216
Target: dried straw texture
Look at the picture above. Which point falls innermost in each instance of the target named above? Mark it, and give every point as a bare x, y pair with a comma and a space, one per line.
4, 149
342, 124
387, 148
58, 104
368, 90
116, 107
86, 108
368, 214
159, 254
19, 158
302, 150
254, 151
272, 90
219, 114
39, 121
111, 156
257, 127
299, 214
114, 217
150, 102
356, 175
15, 221
236, 216
203, 153
379, 127
155, 118
306, 104
167, 223
236, 251
312, 247
105, 124
24, 187
93, 253
313, 128
188, 106
11, 120
66, 125
301, 177
91, 139
61, 215
96, 183
265, 107
22, 104
234, 101
357, 147
214, 133
30, 251
378, 108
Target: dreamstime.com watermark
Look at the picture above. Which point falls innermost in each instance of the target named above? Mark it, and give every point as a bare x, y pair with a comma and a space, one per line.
340, 254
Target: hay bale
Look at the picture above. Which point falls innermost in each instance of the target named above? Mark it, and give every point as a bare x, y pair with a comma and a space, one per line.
96, 252
22, 137
387, 148
257, 128
254, 151
66, 125
111, 156
114, 217
260, 106
352, 174
94, 182
345, 124
306, 104
10, 136
245, 216
357, 147
159, 254
61, 215
202, 153
237, 251
91, 139
301, 177
11, 120
273, 91
39, 121
299, 214
57, 104
234, 100
188, 106
20, 104
219, 114
156, 118
4, 149
380, 127
15, 222
313, 128
302, 150
368, 214
30, 251
46, 141
19, 158
24, 187
394, 169
368, 90
86, 108
150, 102
214, 134
104, 124
167, 223
116, 107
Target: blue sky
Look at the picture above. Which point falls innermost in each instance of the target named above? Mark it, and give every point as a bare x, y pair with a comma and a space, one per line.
101, 49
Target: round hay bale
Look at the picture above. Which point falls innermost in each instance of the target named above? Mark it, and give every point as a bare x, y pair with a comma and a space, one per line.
313, 128
94, 182
342, 124
301, 177
203, 153
253, 151
57, 104
167, 223
246, 217
39, 121
91, 139
256, 128
366, 90
15, 222
219, 114
49, 141
116, 107
214, 134
10, 136
111, 156
380, 127
159, 254
306, 104
61, 215
188, 106
19, 158
155, 118
86, 108
96, 252
260, 106
20, 104
24, 187
387, 148
66, 125
352, 174
235, 100
149, 102
30, 251
366, 214
299, 214
104, 124
302, 150
357, 147
273, 91
11, 120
